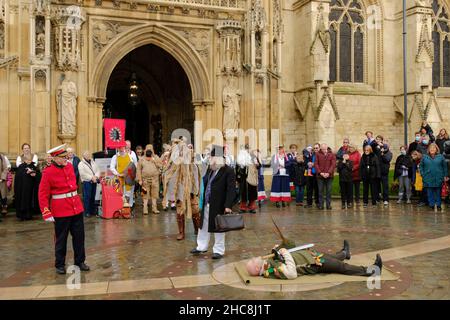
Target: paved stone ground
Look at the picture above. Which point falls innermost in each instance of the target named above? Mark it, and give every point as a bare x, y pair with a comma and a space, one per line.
145, 247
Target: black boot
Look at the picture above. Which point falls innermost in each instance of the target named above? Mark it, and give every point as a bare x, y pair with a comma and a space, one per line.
346, 249
379, 263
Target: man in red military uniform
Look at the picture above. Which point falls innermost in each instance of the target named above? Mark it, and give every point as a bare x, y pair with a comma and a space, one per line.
60, 203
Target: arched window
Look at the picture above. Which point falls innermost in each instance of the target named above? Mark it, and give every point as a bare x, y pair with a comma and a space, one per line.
347, 31
441, 41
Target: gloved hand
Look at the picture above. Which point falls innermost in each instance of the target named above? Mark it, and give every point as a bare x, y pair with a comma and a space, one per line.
51, 219
277, 255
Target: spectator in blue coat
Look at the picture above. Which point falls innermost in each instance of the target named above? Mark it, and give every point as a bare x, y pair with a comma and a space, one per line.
433, 169
75, 161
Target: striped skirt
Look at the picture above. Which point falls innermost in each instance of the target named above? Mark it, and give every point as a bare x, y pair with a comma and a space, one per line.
280, 190
261, 189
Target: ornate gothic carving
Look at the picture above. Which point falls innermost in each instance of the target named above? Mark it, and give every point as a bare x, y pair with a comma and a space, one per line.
425, 51
230, 32
41, 7
103, 32
200, 39
4, 62
258, 16
322, 34
277, 22
68, 22
40, 36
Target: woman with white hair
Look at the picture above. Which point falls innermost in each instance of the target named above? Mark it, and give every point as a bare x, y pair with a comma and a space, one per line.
89, 175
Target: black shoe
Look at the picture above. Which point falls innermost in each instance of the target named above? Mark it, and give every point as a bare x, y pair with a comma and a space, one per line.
329, 208
83, 267
439, 208
217, 256
277, 204
346, 249
61, 270
197, 252
242, 211
378, 262
344, 207
431, 208
252, 211
173, 208
283, 204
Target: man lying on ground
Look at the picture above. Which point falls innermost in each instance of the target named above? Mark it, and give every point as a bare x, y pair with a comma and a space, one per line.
283, 264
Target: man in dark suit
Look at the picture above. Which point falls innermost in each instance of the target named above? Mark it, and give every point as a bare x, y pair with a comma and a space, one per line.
219, 193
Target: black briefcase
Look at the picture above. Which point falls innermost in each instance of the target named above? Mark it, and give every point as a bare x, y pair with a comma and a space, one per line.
229, 222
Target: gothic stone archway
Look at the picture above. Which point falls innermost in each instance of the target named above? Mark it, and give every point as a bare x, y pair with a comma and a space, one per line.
166, 39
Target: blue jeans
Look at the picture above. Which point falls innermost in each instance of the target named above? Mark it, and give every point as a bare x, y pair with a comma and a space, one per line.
299, 193
89, 190
434, 196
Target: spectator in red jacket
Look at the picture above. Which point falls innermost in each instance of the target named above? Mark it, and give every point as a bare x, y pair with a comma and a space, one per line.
355, 158
325, 165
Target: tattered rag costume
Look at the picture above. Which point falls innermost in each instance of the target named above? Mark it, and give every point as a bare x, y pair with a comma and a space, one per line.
182, 185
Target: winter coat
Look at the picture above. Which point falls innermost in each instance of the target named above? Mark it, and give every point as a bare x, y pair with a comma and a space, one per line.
325, 163
298, 169
222, 195
433, 171
345, 170
355, 158
369, 167
309, 157
340, 154
403, 160
385, 159
440, 143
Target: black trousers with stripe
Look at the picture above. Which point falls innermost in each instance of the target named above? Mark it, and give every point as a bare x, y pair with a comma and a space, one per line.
75, 226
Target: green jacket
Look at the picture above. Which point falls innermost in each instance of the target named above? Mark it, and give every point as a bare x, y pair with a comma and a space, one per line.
274, 268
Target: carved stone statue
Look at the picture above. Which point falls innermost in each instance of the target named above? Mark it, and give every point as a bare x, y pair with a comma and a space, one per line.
231, 109
67, 107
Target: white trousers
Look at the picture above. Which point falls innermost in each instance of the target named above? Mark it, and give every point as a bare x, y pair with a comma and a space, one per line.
203, 237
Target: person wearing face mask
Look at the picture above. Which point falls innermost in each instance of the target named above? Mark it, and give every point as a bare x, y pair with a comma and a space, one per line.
219, 193
404, 173
413, 145
422, 147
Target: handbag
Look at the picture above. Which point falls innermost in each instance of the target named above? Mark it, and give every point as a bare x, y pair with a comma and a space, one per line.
444, 190
229, 222
419, 182
252, 177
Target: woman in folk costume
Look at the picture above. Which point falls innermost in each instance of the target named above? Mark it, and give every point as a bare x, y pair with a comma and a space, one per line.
124, 168
261, 189
280, 191
247, 177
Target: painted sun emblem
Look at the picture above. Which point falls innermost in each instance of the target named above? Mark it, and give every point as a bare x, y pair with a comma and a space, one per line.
115, 134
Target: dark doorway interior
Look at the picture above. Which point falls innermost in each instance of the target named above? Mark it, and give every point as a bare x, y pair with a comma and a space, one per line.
164, 96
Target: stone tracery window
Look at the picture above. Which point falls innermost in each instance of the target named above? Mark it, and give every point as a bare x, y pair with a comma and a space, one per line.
441, 42
347, 35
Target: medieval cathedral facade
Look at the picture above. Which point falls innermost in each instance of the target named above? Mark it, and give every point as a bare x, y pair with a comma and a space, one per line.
316, 70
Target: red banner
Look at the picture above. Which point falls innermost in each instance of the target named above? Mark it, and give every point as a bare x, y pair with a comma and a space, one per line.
114, 133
